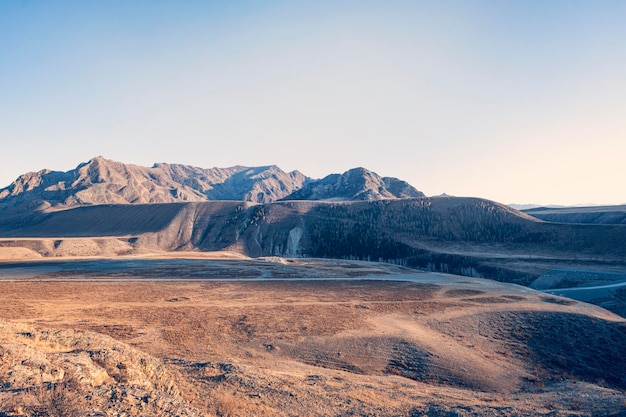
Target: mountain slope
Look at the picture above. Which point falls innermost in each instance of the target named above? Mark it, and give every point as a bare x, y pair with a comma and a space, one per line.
256, 184
102, 181
355, 184
466, 236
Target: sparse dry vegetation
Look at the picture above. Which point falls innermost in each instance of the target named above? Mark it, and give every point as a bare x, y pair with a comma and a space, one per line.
291, 348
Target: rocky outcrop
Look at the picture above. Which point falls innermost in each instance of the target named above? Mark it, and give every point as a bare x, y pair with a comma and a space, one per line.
65, 372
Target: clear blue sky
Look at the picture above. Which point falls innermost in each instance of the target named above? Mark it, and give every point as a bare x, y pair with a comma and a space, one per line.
515, 101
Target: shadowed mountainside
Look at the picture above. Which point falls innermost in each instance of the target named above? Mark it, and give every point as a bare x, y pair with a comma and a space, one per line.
465, 236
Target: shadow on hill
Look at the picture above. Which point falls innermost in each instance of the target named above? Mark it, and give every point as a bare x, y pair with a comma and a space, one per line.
563, 345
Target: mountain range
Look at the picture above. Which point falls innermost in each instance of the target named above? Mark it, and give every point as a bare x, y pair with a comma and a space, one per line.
106, 208
178, 336
102, 181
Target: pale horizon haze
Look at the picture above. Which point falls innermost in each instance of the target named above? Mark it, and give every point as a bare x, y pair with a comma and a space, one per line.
513, 101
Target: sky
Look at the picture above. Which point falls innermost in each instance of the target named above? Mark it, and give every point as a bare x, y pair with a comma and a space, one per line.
514, 101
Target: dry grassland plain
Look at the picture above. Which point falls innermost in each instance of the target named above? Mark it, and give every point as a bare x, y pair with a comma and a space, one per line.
181, 337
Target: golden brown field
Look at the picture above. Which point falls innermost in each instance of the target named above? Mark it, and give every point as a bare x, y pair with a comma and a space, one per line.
438, 345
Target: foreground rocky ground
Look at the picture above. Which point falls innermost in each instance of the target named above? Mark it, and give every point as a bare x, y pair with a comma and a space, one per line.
164, 339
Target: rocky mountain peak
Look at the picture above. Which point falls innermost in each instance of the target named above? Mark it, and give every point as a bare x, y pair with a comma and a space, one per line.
98, 170
103, 181
356, 184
